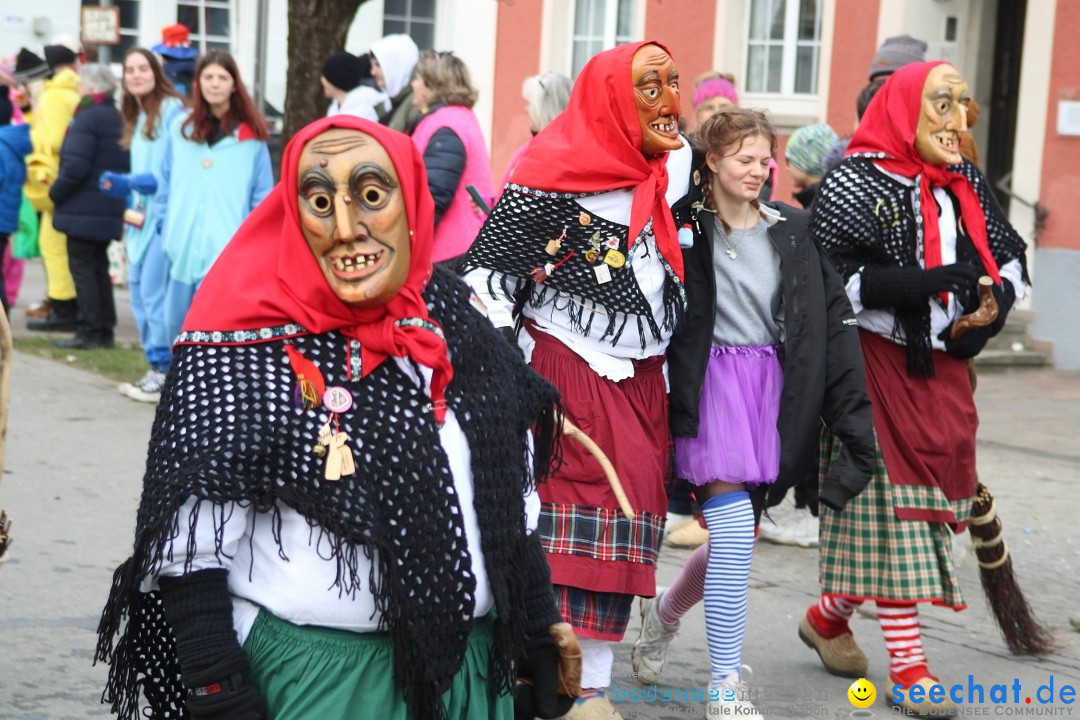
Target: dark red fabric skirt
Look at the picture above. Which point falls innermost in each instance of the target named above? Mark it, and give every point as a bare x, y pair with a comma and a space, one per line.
925, 426
590, 543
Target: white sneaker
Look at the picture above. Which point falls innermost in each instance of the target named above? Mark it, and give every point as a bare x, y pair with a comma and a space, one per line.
650, 648
148, 389
734, 700
125, 388
788, 525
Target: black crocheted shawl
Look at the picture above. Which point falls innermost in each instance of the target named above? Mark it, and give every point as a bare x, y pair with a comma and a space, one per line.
228, 429
512, 244
864, 217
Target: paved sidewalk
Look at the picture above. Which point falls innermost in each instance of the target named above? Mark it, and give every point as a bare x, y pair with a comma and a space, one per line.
75, 455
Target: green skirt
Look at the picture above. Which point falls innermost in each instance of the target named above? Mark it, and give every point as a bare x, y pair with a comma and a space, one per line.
313, 673
867, 553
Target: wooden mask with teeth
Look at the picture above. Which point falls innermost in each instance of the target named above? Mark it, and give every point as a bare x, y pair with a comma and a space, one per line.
656, 93
942, 117
353, 217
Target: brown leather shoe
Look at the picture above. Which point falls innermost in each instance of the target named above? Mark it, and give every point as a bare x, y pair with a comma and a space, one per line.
40, 310
945, 708
840, 655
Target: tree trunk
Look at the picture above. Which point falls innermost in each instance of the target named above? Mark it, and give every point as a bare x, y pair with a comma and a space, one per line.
317, 28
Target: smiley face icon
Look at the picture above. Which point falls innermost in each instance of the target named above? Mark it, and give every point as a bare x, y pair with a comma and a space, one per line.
862, 693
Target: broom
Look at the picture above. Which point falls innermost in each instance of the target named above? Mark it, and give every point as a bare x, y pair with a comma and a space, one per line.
1023, 633
5, 388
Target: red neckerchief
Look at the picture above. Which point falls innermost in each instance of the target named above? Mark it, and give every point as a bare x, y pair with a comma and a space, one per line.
595, 146
888, 126
267, 276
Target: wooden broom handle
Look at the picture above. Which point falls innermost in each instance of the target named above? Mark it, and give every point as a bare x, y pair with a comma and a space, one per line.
575, 432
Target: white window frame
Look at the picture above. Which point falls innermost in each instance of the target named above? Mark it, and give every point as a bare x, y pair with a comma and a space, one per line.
410, 19
790, 44
199, 39
609, 37
789, 110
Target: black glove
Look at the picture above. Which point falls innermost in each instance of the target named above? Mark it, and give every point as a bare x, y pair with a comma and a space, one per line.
213, 667
1005, 296
540, 697
906, 287
969, 344
224, 691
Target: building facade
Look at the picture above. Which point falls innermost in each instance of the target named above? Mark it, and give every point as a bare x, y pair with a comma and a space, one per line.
804, 61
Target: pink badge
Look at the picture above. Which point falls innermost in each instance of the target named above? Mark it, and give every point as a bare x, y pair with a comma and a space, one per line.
337, 399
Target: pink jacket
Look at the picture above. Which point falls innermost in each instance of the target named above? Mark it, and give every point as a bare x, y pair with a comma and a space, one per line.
461, 222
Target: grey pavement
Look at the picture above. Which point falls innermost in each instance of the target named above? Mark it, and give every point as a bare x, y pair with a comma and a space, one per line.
75, 455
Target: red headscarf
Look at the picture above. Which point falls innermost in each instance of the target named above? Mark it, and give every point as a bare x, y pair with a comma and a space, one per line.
888, 126
267, 274
595, 145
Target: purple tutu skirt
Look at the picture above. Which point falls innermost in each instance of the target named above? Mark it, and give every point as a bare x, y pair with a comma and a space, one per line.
737, 439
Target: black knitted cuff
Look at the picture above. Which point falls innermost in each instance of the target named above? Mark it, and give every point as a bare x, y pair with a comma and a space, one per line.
541, 612
834, 495
884, 287
199, 609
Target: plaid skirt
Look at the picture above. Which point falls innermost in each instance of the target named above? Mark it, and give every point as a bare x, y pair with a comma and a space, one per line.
868, 553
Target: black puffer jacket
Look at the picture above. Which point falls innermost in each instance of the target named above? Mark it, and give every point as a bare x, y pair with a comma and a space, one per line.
824, 379
90, 147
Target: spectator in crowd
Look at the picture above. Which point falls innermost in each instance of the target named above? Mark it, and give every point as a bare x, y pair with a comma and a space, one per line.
455, 153
546, 96
178, 56
215, 170
15, 145
52, 115
393, 60
90, 218
349, 85
713, 92
149, 107
895, 52
804, 151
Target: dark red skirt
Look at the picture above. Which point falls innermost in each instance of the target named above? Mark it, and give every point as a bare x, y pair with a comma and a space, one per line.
925, 427
590, 544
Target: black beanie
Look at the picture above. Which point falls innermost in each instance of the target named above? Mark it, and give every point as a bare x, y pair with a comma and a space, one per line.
57, 55
343, 70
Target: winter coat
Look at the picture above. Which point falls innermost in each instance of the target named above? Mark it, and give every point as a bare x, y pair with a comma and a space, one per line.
455, 157
91, 147
147, 156
204, 193
14, 147
824, 378
362, 101
55, 108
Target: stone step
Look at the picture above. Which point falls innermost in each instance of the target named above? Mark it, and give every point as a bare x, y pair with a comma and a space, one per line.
1028, 358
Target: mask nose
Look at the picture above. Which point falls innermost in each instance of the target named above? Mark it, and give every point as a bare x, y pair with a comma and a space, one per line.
669, 101
346, 226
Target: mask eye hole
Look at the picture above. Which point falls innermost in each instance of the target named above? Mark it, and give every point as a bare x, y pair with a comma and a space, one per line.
373, 196
321, 203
